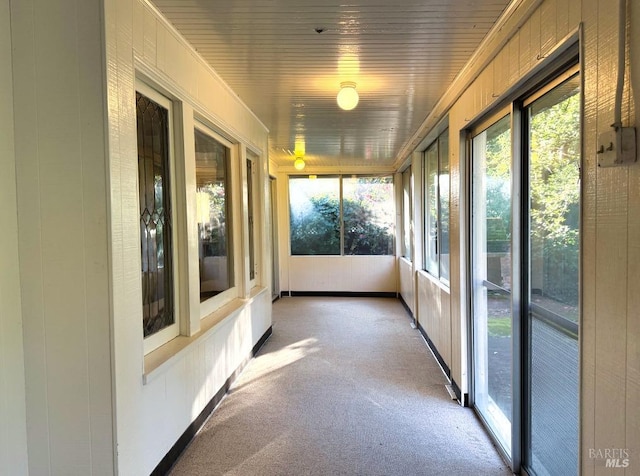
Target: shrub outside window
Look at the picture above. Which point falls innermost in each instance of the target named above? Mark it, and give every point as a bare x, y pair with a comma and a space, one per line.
368, 211
364, 206
314, 210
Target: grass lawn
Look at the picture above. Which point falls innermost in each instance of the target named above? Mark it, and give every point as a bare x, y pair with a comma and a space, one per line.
499, 326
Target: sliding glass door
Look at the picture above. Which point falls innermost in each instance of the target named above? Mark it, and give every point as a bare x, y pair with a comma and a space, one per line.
552, 121
525, 255
491, 278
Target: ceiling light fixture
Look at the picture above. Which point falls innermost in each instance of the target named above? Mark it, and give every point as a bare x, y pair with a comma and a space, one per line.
348, 96
299, 163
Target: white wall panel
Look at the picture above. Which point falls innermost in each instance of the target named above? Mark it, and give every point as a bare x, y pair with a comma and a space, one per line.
525, 58
13, 430
633, 305
611, 211
342, 273
58, 69
562, 19
500, 74
152, 416
536, 35
513, 67
548, 17
589, 225
434, 314
407, 283
457, 221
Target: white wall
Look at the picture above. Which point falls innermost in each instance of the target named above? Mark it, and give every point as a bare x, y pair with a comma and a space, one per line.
13, 430
58, 83
154, 407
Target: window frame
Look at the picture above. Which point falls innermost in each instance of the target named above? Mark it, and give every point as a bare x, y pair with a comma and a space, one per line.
253, 208
213, 303
340, 223
438, 201
406, 249
341, 178
161, 337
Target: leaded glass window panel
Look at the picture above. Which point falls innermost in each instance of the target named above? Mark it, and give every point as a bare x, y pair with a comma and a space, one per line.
155, 215
250, 192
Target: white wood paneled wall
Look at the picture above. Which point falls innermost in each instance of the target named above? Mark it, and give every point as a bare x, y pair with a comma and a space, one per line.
406, 278
372, 274
13, 429
72, 67
59, 119
434, 314
139, 39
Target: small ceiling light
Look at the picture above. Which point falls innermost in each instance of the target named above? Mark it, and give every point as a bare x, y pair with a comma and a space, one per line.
299, 163
348, 96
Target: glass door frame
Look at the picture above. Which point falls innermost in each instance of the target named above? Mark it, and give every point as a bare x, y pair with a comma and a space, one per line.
512, 454
570, 70
565, 65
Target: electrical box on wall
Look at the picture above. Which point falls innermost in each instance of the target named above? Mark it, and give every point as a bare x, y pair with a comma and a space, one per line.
617, 147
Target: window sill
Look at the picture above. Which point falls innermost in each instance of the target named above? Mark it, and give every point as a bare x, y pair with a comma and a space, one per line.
442, 285
162, 358
406, 260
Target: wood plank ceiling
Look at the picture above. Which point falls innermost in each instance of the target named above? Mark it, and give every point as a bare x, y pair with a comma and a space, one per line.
286, 60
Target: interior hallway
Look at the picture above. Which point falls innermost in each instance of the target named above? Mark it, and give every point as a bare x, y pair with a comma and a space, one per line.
343, 386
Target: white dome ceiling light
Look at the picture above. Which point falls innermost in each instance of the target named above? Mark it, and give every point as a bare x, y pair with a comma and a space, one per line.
348, 96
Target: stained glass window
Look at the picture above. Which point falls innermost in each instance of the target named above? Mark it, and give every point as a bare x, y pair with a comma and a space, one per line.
155, 215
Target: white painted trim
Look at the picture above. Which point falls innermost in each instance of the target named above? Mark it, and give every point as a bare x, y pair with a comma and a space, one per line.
215, 302
159, 361
161, 18
163, 336
151, 74
256, 205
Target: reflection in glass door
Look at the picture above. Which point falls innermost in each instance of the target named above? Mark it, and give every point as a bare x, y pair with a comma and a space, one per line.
491, 278
553, 123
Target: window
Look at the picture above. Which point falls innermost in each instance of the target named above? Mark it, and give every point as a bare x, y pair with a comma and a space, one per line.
157, 239
314, 206
363, 205
436, 198
407, 212
213, 214
368, 214
251, 193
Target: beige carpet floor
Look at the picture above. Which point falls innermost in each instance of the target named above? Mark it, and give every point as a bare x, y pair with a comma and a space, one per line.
344, 386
